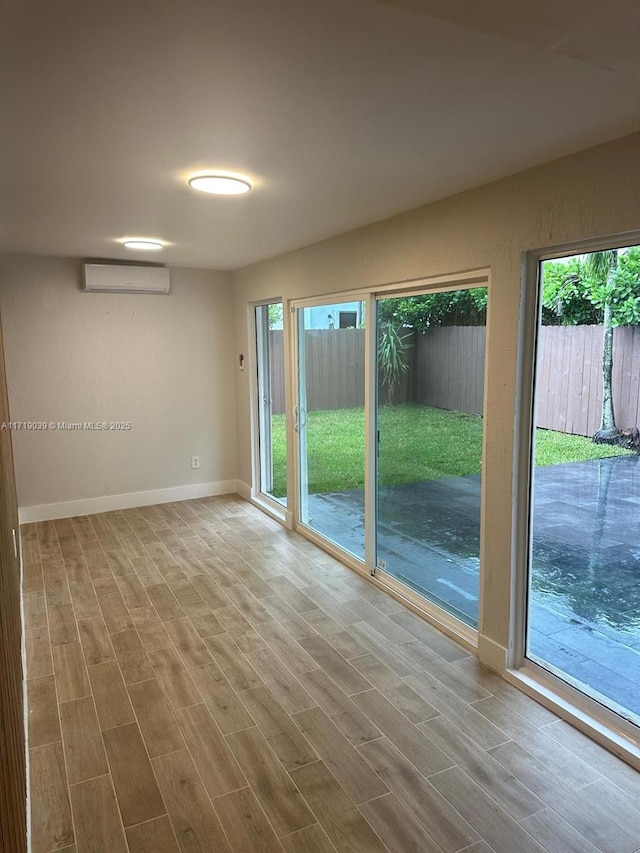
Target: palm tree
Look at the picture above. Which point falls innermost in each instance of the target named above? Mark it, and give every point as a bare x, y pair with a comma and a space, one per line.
392, 358
601, 268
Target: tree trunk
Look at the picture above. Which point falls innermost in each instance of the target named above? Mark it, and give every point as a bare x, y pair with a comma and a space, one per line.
608, 432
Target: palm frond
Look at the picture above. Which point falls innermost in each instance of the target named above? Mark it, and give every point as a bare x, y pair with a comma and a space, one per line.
600, 264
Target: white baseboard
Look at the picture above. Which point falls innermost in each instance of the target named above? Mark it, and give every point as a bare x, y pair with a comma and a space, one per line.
89, 506
492, 654
244, 490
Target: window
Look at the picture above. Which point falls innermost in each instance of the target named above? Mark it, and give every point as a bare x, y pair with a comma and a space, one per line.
348, 319
583, 594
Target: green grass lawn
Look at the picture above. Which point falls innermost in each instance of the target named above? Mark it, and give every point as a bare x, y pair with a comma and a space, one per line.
416, 443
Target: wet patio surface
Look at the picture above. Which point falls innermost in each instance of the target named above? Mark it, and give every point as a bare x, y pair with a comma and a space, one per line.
584, 617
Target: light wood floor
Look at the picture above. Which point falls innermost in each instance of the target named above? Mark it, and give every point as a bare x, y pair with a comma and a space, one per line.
199, 679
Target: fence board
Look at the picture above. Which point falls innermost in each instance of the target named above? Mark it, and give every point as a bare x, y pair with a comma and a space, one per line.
582, 391
634, 389
541, 380
276, 367
577, 359
618, 359
595, 384
622, 352
561, 397
555, 389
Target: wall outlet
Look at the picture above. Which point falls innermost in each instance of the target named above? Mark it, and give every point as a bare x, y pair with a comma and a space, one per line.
195, 462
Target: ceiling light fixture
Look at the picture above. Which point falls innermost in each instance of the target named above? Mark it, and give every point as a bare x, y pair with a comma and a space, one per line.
218, 184
143, 245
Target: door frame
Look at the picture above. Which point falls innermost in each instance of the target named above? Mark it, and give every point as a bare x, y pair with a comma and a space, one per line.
262, 499
14, 820
263, 379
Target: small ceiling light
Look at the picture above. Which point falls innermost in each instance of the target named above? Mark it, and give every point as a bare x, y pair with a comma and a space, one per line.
220, 184
143, 245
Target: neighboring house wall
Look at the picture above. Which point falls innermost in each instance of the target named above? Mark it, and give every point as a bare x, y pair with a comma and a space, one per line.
594, 193
337, 316
164, 363
322, 316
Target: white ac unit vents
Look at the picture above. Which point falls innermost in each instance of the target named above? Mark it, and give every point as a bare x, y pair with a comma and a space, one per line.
123, 278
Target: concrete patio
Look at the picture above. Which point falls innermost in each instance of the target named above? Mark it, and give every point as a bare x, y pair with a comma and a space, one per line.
584, 618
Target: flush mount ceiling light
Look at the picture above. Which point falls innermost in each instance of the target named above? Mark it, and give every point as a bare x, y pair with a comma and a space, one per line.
143, 245
218, 184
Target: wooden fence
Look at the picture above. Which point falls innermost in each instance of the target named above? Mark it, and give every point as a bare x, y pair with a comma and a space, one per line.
334, 367
446, 369
569, 378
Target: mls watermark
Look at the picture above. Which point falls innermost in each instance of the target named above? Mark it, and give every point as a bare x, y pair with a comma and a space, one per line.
67, 426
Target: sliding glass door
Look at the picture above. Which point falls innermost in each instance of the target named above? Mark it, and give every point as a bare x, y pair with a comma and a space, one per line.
272, 457
430, 371
330, 421
389, 437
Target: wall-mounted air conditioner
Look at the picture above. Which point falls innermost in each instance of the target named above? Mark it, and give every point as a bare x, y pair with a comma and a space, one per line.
123, 278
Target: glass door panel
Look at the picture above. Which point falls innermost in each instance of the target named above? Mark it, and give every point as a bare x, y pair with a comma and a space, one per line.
583, 607
430, 369
331, 422
271, 418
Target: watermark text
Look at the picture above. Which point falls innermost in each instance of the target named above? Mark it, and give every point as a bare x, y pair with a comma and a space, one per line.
66, 426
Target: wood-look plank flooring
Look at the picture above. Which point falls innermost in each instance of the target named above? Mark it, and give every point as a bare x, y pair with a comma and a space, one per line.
200, 679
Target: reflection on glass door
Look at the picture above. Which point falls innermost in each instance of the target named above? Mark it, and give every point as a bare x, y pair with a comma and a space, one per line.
331, 423
271, 418
429, 427
583, 608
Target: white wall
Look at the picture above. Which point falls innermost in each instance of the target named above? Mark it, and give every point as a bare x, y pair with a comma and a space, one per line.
164, 363
594, 193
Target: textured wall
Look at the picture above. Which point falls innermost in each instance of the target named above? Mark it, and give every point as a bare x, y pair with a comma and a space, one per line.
591, 194
164, 363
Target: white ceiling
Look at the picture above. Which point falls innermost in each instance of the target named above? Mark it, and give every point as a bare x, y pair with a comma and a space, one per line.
343, 112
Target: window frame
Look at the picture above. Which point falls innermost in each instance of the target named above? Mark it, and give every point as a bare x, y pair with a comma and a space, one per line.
601, 723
